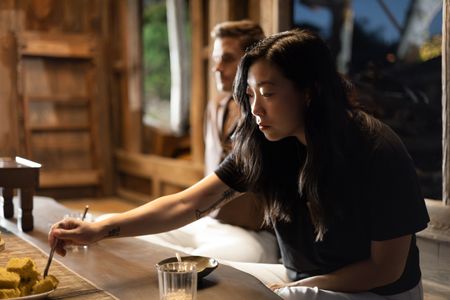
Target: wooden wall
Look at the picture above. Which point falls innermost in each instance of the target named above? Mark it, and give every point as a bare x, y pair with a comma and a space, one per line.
71, 93
153, 175
55, 92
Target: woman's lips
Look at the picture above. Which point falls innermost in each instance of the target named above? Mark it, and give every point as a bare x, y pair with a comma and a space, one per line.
263, 126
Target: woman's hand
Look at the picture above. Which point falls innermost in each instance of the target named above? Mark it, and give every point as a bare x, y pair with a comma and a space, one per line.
71, 231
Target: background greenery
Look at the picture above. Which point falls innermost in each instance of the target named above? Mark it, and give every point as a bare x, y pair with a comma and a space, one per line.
156, 50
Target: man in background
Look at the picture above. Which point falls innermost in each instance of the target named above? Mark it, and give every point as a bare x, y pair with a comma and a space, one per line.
235, 231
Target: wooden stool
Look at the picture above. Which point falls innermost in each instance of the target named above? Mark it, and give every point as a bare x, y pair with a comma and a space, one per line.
22, 174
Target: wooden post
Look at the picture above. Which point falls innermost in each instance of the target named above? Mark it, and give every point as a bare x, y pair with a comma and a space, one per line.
132, 79
198, 96
446, 103
9, 123
274, 15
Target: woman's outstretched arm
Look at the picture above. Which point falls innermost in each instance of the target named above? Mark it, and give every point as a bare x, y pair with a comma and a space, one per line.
160, 215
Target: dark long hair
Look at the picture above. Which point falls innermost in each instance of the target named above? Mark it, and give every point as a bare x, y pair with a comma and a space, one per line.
303, 58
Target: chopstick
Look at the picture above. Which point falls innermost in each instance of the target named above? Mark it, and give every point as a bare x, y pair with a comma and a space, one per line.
85, 212
55, 243
50, 257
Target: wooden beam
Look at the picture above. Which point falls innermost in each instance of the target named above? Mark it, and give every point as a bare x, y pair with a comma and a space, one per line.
56, 45
446, 102
73, 178
131, 80
198, 94
9, 100
183, 173
102, 101
274, 15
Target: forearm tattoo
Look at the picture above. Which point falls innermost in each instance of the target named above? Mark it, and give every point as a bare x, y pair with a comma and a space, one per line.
227, 196
113, 232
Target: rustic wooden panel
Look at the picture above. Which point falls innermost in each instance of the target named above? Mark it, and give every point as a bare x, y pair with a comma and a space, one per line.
9, 110
131, 79
199, 75
101, 94
55, 72
54, 77
274, 15
254, 10
48, 114
62, 150
74, 178
56, 45
174, 171
136, 184
70, 16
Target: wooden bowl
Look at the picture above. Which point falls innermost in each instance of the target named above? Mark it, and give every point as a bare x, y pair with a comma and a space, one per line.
205, 265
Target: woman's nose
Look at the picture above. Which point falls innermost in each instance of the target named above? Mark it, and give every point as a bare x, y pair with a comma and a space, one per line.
217, 66
257, 108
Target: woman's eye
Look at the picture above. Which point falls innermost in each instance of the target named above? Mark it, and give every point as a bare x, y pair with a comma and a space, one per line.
267, 94
250, 96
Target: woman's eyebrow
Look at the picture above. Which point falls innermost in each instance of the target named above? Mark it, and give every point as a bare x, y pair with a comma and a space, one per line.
259, 83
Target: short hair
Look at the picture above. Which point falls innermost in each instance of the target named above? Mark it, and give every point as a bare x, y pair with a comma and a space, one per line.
248, 32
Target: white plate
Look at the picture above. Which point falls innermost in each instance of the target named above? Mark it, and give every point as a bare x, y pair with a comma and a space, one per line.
36, 296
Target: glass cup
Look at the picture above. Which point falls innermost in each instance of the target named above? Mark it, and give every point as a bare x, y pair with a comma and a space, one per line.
78, 215
177, 281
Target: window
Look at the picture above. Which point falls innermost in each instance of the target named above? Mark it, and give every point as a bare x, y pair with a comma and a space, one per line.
166, 58
393, 55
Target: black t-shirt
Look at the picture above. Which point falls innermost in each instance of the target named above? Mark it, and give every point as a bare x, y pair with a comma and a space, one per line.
381, 199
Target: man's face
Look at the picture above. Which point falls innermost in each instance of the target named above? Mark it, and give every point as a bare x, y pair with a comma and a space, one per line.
226, 55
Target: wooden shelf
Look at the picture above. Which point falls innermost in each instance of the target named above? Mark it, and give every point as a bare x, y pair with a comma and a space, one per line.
69, 46
59, 127
69, 178
69, 100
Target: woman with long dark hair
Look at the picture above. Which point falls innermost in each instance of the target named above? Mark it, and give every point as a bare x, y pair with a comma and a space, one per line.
338, 185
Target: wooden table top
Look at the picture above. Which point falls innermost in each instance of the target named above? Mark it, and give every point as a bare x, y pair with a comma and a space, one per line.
125, 267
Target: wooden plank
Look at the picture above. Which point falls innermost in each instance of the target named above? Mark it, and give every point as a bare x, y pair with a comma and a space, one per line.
54, 78
254, 8
282, 15
100, 91
65, 99
73, 178
174, 171
266, 16
131, 79
64, 127
64, 151
274, 15
56, 45
446, 102
199, 77
9, 103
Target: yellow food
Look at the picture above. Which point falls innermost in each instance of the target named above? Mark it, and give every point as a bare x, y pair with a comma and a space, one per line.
47, 284
8, 280
26, 287
9, 293
25, 267
20, 278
